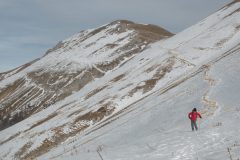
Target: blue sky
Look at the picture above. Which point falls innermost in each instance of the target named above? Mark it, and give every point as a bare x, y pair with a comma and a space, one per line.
30, 27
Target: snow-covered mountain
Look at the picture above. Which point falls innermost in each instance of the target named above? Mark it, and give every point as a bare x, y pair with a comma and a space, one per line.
113, 94
70, 65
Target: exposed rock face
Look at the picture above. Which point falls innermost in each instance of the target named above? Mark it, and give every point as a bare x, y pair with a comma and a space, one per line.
45, 81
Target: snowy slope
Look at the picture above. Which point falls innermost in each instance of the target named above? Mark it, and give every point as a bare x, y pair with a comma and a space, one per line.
139, 110
70, 65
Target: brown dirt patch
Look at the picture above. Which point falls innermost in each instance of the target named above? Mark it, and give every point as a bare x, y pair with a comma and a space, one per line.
143, 35
152, 68
149, 84
236, 11
56, 47
237, 28
75, 113
23, 150
10, 89
19, 69
59, 136
111, 45
55, 86
96, 116
126, 25
118, 78
221, 42
42, 121
229, 4
128, 85
95, 91
10, 138
159, 74
233, 2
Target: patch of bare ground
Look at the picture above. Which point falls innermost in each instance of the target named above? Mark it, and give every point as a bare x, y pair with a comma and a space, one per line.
111, 45
10, 138
16, 107
152, 68
79, 82
94, 32
90, 44
17, 97
126, 25
60, 136
10, 89
200, 48
95, 91
31, 135
126, 53
149, 84
221, 42
230, 14
22, 97
66, 47
231, 3
49, 143
7, 74
23, 150
104, 48
143, 35
56, 47
234, 1
128, 85
10, 102
65, 105
103, 101
47, 80
75, 113
118, 78
42, 121
237, 28
96, 116
55, 86
45, 146
2, 75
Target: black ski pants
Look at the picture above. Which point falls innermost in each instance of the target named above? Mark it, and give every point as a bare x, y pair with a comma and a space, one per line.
194, 125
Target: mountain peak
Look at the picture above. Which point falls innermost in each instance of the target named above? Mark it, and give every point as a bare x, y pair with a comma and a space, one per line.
106, 42
72, 64
141, 27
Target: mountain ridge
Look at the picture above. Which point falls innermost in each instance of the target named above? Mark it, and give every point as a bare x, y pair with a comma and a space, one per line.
73, 60
137, 109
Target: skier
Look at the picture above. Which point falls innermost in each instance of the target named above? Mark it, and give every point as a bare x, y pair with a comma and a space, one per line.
193, 117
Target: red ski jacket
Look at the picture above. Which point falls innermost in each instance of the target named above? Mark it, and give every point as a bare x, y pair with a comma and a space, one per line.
193, 116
